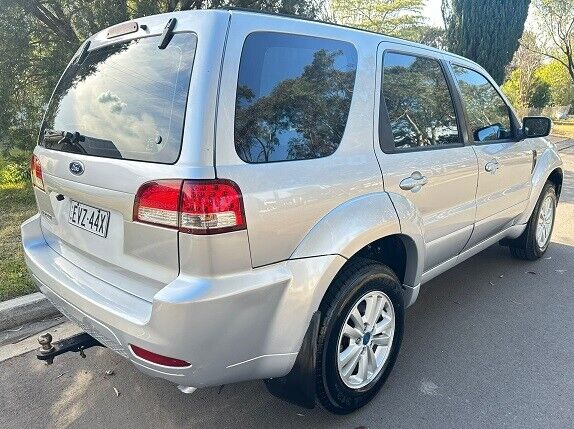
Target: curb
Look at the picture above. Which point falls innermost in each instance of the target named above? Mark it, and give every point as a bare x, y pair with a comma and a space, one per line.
25, 309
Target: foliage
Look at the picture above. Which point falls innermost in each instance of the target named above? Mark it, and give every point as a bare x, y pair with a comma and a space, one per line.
486, 32
17, 202
511, 89
16, 169
401, 18
523, 82
549, 85
432, 36
541, 95
555, 75
556, 28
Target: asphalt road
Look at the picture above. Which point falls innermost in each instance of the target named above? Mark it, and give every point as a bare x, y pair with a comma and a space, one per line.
488, 344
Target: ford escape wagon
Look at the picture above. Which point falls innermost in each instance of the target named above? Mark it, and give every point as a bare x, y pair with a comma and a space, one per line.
226, 195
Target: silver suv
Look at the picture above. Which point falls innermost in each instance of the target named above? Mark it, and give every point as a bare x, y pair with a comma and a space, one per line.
226, 195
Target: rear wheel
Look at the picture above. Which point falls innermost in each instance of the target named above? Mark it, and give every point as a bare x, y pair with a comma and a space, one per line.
534, 241
360, 335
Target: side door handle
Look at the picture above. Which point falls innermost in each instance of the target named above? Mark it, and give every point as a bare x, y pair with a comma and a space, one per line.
492, 166
414, 183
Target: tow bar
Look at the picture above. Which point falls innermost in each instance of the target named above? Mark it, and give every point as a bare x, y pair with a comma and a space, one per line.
77, 344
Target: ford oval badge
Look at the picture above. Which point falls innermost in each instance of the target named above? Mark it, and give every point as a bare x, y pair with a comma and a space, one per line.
77, 168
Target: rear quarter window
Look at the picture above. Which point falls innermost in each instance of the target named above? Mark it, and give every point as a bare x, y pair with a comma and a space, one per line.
293, 96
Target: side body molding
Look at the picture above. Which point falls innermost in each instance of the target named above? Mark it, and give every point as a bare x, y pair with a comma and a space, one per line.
548, 161
360, 221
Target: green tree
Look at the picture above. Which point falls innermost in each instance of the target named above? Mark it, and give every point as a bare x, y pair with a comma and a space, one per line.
523, 86
511, 89
485, 31
401, 18
555, 20
541, 94
555, 75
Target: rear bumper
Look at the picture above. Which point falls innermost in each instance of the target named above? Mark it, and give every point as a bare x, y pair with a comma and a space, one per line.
248, 325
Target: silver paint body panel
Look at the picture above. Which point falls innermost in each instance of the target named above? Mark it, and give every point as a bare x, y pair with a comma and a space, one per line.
237, 305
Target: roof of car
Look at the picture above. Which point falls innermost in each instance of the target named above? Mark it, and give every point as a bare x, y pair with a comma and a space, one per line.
347, 27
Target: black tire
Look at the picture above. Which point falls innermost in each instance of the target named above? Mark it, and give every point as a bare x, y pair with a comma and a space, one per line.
355, 280
526, 246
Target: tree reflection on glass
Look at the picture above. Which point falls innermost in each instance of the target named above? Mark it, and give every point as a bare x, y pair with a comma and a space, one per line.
418, 102
302, 116
486, 112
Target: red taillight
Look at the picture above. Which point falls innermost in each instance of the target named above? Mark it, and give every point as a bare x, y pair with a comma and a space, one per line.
192, 206
158, 203
158, 359
211, 207
36, 171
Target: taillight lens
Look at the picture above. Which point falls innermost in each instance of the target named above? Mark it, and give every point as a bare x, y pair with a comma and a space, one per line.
158, 359
211, 207
192, 206
36, 171
158, 203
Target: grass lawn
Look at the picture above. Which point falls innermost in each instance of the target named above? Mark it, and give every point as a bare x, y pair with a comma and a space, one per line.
565, 129
16, 205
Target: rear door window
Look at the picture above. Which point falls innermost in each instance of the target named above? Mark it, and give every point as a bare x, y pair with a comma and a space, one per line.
418, 102
487, 114
125, 101
293, 96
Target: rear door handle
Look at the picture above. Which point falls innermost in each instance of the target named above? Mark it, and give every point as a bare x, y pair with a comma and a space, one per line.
492, 166
414, 183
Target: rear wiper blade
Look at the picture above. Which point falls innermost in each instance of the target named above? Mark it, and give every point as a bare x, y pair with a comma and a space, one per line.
59, 135
54, 137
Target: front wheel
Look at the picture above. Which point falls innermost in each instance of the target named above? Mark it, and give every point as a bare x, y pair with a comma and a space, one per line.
534, 241
360, 335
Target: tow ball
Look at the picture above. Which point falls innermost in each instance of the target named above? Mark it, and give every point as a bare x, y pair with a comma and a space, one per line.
77, 344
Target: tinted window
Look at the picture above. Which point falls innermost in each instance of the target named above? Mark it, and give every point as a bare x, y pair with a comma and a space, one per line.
293, 96
418, 101
487, 114
126, 100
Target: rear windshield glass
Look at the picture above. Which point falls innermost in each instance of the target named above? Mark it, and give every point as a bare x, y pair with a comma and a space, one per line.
124, 101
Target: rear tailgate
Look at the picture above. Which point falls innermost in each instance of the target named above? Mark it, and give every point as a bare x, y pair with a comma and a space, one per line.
136, 257
115, 122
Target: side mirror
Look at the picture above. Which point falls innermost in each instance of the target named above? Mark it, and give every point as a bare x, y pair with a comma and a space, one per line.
536, 126
490, 132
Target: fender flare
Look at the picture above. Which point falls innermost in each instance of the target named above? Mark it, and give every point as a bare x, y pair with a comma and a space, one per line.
546, 164
361, 221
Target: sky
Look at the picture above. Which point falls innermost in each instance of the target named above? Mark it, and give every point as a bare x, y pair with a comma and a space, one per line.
433, 13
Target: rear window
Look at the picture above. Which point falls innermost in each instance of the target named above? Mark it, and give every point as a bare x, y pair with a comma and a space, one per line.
293, 96
124, 101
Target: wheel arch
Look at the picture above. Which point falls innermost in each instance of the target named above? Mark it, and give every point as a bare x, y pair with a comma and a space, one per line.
373, 227
557, 177
548, 168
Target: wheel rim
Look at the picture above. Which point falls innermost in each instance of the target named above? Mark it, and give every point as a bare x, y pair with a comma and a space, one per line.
545, 221
365, 340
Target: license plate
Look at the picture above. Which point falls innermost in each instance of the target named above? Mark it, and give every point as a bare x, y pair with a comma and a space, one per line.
89, 218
